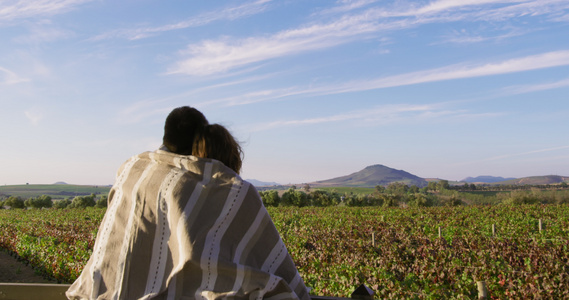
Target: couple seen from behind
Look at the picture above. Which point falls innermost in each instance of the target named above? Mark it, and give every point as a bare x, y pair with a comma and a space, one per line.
182, 224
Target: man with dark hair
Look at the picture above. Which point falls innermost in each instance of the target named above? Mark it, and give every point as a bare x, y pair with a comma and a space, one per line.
180, 226
181, 126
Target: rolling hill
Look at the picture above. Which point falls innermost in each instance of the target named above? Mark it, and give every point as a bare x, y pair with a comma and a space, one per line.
55, 191
536, 180
372, 176
485, 179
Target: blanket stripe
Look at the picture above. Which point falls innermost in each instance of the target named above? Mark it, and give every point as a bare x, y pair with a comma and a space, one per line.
182, 227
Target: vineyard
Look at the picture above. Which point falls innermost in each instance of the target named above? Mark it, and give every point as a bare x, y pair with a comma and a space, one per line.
401, 253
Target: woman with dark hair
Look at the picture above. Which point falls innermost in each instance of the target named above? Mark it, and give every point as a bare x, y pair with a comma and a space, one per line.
215, 141
180, 226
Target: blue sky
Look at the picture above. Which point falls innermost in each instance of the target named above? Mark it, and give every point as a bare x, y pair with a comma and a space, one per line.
313, 89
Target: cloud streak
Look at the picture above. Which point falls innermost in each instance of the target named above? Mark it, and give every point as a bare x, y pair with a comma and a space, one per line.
228, 13
506, 156
537, 87
452, 72
8, 77
34, 116
461, 71
222, 55
381, 115
20, 9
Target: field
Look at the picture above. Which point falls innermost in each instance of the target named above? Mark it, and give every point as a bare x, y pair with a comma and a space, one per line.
55, 191
395, 251
346, 190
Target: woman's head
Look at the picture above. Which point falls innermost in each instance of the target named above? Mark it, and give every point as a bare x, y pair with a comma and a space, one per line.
181, 127
216, 142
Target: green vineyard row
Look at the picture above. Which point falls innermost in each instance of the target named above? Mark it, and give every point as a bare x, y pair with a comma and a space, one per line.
398, 252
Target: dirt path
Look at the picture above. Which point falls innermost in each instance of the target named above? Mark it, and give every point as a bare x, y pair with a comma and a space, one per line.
12, 270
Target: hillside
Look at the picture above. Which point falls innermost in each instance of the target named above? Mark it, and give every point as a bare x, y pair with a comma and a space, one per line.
258, 183
536, 180
55, 191
372, 176
485, 179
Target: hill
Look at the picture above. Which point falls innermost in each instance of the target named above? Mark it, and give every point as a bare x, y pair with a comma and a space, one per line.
372, 176
536, 180
258, 183
55, 191
485, 179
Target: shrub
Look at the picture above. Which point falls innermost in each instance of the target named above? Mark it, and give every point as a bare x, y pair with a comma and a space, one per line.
521, 197
101, 202
419, 200
39, 202
14, 202
83, 201
62, 203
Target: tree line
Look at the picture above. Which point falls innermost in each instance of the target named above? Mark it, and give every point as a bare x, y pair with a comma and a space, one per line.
399, 194
45, 201
438, 193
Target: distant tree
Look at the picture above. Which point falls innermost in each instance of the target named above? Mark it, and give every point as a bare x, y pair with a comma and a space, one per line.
419, 200
15, 202
390, 200
521, 197
323, 198
101, 202
413, 189
83, 201
443, 185
293, 197
306, 188
432, 186
451, 200
270, 198
62, 203
39, 202
398, 188
379, 188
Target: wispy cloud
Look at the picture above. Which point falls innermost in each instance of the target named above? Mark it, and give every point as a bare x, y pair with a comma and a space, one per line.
459, 71
346, 6
445, 5
381, 115
20, 9
34, 115
210, 57
228, 13
537, 87
8, 77
43, 32
217, 56
506, 156
465, 37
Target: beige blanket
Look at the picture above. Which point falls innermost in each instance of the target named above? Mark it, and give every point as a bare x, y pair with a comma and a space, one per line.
181, 227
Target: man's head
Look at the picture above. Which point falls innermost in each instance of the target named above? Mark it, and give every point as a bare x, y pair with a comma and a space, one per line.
181, 127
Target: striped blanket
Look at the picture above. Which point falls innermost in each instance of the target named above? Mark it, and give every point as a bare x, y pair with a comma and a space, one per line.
182, 227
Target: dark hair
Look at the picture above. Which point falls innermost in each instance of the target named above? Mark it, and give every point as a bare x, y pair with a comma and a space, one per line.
215, 141
181, 127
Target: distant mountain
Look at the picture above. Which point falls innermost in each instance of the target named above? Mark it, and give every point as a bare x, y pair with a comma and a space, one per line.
258, 183
486, 179
60, 182
537, 180
372, 176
